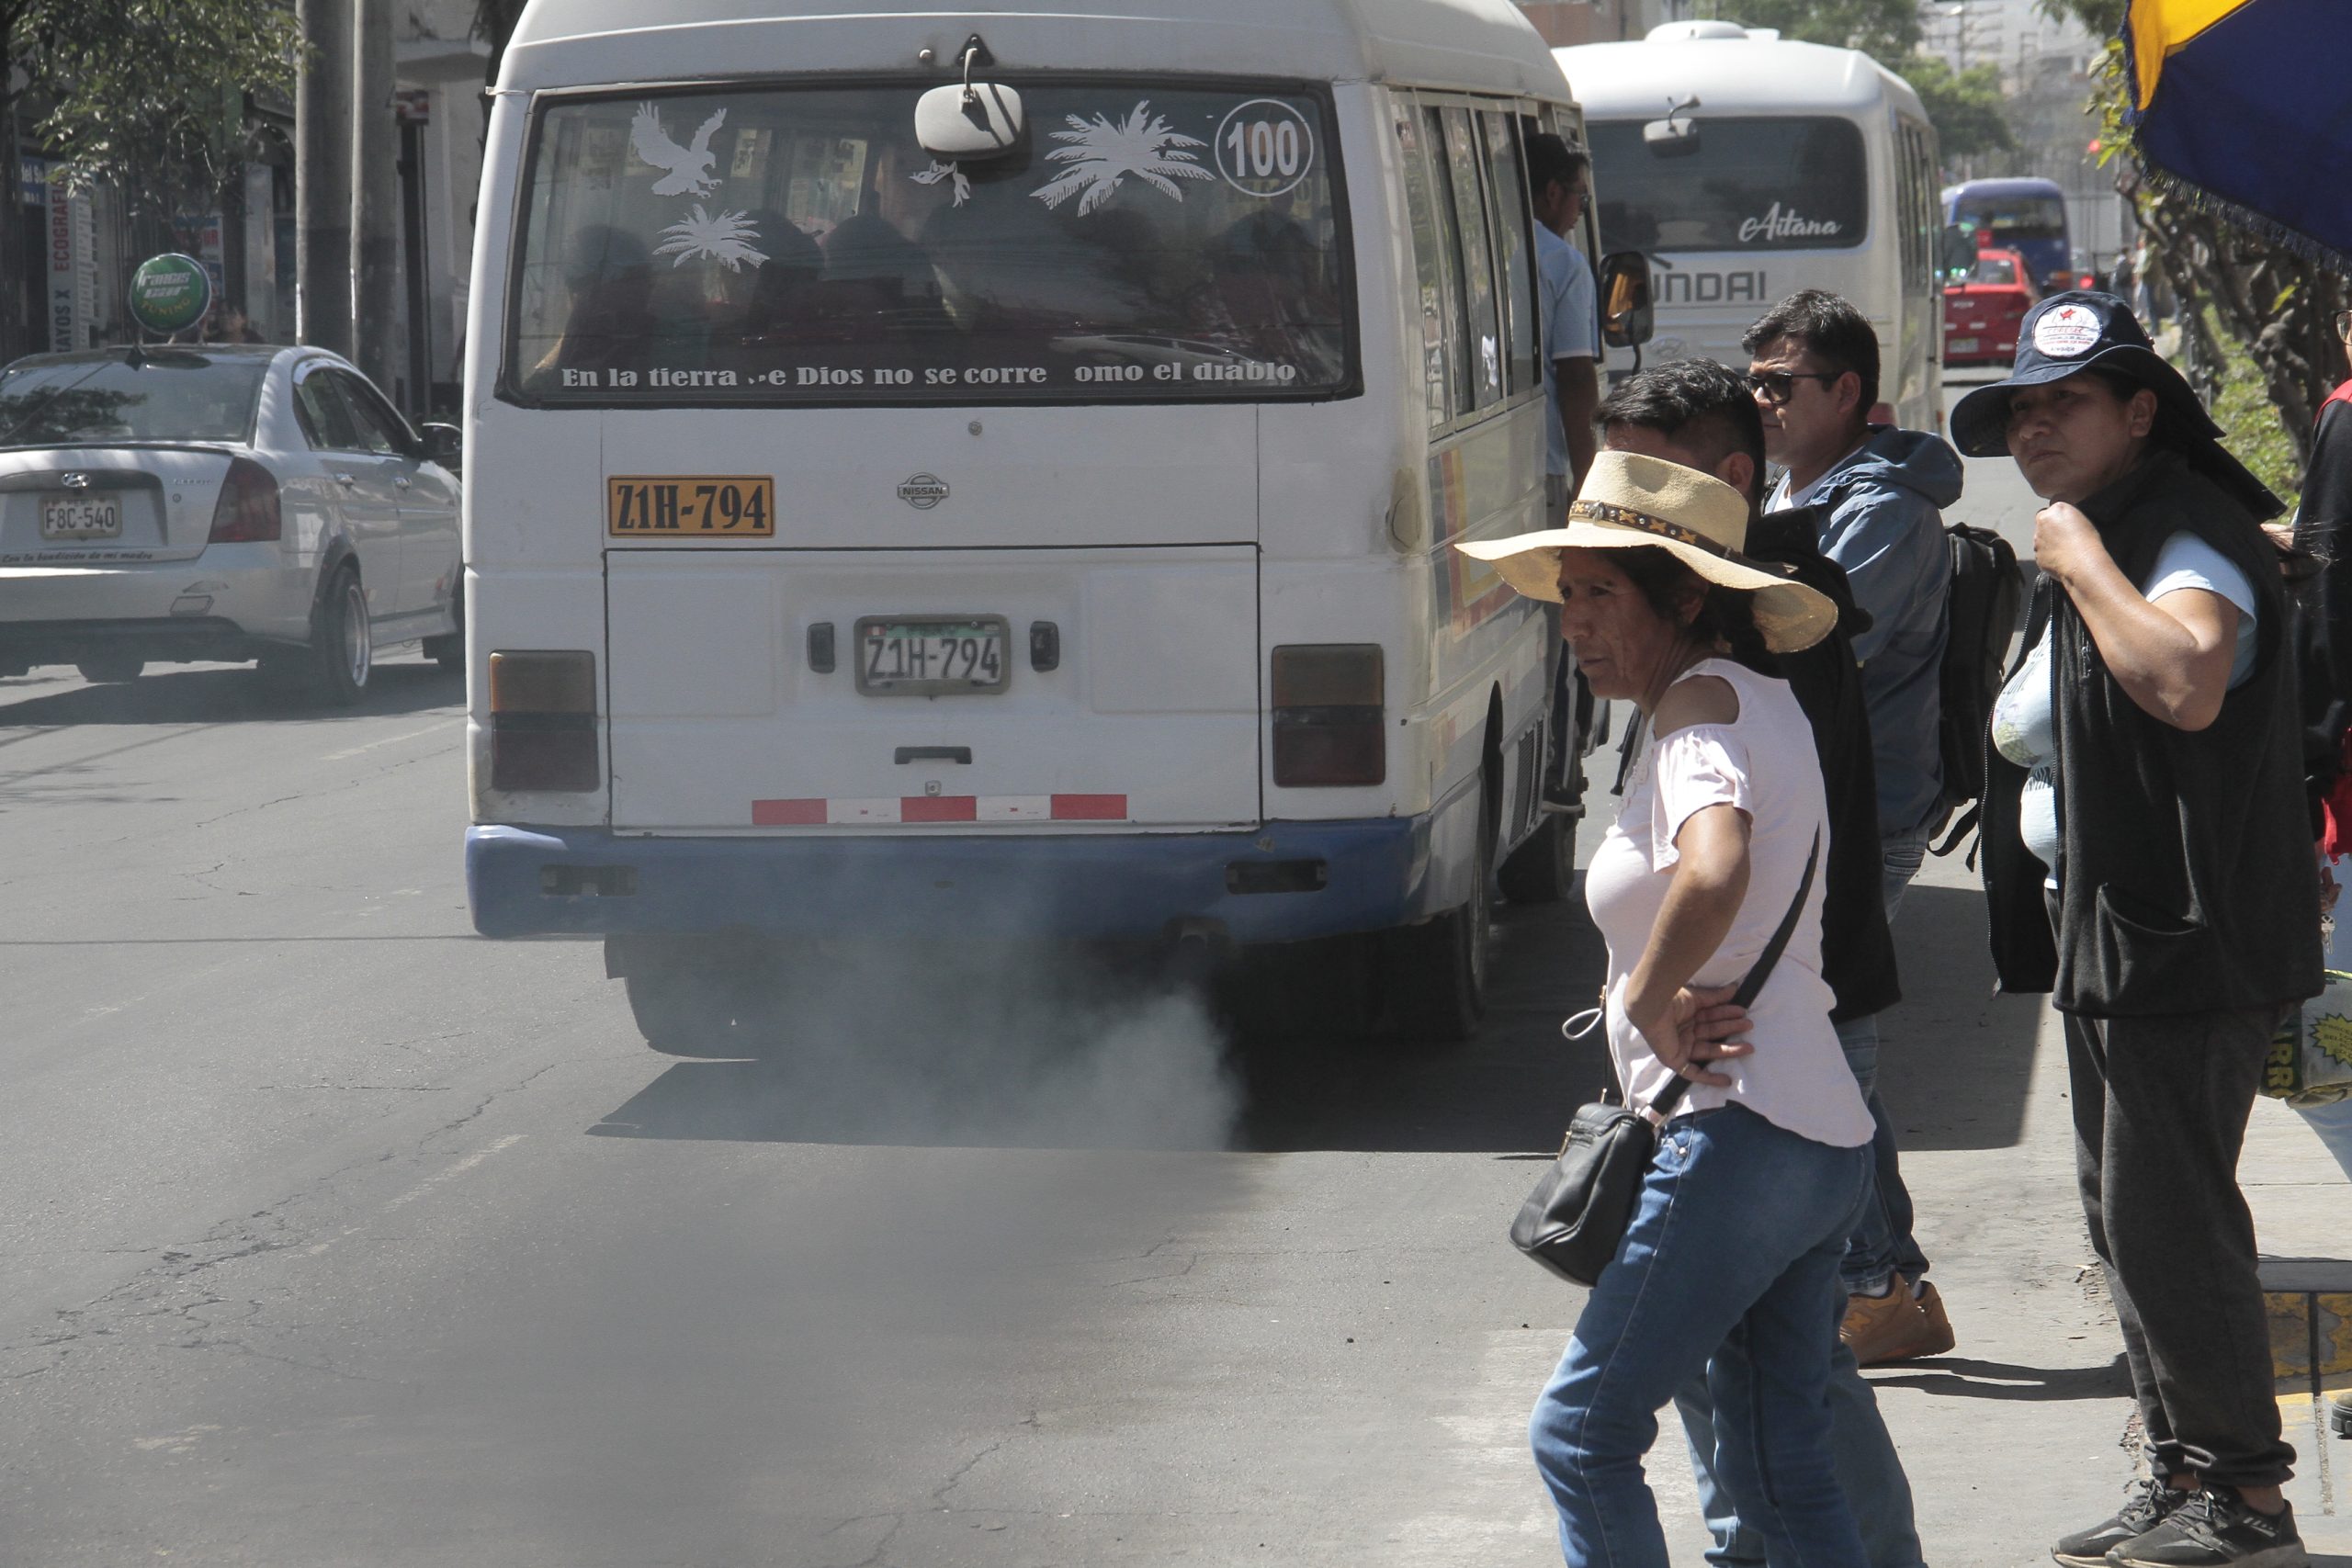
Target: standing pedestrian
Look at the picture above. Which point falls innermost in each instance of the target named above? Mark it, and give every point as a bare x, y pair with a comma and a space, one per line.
2147, 862
1877, 492
1700, 413
2323, 527
1730, 1261
1559, 177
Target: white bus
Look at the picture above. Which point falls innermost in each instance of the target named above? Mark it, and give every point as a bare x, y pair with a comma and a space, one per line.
871, 541
1750, 167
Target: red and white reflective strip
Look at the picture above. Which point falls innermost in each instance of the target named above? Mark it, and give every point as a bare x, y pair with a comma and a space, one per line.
904, 809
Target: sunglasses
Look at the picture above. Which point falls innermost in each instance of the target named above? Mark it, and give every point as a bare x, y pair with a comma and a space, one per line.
1779, 385
2344, 325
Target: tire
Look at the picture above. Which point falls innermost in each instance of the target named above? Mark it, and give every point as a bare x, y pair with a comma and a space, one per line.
110, 669
343, 649
684, 1011
1440, 974
1543, 869
449, 650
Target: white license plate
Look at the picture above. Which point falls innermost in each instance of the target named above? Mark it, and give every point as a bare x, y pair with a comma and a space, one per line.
930, 656
1960, 346
81, 517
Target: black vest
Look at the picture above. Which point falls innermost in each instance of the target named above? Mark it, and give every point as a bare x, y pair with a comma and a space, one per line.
2186, 882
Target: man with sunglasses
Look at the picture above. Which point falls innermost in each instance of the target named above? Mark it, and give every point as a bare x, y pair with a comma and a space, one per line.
1877, 494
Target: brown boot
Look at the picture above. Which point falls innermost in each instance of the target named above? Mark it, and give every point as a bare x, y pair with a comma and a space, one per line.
1892, 1327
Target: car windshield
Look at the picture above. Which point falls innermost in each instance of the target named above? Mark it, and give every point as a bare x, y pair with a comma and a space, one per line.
164, 396
1155, 242
1757, 182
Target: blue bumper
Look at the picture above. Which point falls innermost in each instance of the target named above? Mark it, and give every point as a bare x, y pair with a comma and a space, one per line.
1285, 882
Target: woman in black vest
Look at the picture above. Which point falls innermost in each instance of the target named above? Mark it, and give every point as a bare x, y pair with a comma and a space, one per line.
2147, 862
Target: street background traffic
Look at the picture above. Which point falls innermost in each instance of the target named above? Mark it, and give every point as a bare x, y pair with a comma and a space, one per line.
341, 1236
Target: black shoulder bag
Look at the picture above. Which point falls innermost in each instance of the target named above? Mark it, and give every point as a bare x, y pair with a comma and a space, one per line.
1573, 1221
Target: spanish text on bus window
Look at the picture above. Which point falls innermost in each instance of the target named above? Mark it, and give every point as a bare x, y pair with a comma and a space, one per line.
773, 246
1758, 183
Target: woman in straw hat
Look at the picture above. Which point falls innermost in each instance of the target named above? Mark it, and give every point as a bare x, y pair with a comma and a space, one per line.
2148, 863
1730, 1265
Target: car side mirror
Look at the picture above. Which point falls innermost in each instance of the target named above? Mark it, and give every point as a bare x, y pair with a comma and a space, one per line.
1627, 315
444, 444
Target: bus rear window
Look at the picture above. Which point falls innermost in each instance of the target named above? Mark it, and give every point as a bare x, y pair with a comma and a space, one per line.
2014, 218
1758, 183
785, 245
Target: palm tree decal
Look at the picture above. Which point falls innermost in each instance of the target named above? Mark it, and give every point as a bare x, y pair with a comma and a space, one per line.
726, 239
1102, 154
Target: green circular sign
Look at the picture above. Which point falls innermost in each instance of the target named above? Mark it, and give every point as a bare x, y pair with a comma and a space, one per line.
170, 293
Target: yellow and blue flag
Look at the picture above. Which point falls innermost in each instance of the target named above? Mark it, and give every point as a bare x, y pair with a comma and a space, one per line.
2248, 104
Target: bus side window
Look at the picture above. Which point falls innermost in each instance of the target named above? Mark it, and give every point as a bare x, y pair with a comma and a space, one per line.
1514, 242
1440, 315
1461, 343
1475, 250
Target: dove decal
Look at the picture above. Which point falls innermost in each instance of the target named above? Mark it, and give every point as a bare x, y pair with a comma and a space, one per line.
689, 166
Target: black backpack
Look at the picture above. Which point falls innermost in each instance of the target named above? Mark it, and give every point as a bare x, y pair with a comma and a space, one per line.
1986, 595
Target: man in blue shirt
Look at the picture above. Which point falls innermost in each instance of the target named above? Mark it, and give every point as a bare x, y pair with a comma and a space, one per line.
1813, 363
1559, 177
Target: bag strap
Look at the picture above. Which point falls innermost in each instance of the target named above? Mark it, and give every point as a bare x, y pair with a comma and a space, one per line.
1662, 1103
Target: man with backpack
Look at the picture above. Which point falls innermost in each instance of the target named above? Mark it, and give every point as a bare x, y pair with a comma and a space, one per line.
1877, 494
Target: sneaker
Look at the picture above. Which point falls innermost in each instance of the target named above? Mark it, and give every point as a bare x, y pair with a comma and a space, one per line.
1892, 1327
2215, 1528
2339, 1414
2146, 1503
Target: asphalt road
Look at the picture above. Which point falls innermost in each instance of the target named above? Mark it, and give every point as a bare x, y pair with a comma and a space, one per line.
337, 1235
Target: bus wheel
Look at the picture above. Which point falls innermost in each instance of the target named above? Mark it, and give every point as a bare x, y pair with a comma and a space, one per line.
1439, 977
1543, 869
687, 1012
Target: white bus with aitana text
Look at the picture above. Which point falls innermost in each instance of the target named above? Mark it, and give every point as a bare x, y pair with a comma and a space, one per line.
1750, 167
963, 476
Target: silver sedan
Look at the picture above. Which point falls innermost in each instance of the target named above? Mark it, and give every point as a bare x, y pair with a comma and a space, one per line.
222, 502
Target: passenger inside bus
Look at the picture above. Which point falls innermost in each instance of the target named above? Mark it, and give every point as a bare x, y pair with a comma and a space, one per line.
610, 316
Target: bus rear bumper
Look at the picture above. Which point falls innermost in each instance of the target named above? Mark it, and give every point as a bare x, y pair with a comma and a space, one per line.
1283, 882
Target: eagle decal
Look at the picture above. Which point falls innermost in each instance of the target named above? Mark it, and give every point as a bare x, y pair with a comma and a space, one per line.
689, 166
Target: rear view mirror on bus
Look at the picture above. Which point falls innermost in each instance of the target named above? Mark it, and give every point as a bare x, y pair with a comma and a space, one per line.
969, 122
1626, 316
1676, 136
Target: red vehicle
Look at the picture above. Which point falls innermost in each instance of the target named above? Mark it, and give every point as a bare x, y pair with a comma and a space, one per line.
1984, 309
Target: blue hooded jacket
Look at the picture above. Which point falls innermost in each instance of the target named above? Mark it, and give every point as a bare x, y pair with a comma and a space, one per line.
1882, 523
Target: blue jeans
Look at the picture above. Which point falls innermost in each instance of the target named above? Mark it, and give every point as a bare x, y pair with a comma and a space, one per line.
1729, 1271
2334, 1125
1882, 1245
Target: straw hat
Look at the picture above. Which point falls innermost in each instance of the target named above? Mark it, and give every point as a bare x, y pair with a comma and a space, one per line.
1629, 500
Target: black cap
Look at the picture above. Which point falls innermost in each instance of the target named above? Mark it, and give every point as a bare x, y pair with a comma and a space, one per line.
2082, 330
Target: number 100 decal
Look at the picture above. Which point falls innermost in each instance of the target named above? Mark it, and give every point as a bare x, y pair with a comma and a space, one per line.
1264, 148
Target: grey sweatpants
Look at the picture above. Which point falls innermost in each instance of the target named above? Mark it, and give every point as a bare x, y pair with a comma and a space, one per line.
2160, 1112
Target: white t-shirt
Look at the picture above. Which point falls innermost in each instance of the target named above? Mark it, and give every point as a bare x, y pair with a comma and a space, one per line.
1571, 327
2024, 730
1763, 762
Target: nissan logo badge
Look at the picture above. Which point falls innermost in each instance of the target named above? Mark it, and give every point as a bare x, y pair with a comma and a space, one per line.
76, 481
923, 491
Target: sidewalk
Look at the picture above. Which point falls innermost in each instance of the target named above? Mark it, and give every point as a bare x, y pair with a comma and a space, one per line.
2026, 1430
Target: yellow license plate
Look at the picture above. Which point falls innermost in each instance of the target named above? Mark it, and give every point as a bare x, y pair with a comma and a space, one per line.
690, 506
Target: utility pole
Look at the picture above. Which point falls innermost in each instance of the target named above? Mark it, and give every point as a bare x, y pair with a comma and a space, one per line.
322, 178
375, 195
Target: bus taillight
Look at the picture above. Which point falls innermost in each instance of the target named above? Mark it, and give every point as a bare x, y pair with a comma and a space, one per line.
543, 721
1330, 725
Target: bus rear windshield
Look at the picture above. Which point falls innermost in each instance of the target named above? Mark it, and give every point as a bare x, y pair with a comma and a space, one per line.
2014, 217
1154, 243
1757, 182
